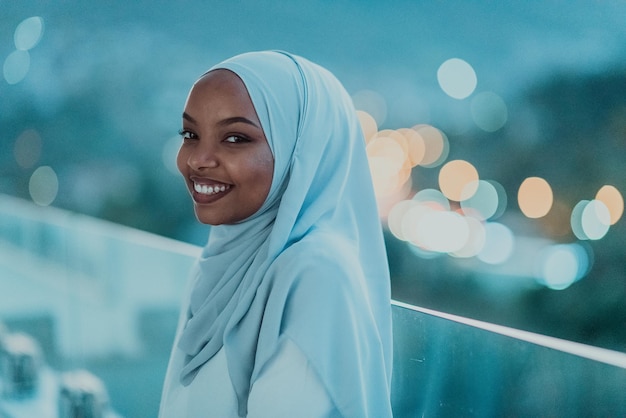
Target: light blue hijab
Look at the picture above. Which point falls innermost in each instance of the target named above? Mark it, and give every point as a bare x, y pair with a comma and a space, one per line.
310, 265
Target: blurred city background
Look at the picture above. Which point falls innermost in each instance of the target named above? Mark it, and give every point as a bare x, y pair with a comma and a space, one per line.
496, 133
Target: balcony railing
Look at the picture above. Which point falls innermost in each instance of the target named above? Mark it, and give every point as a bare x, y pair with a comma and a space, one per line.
89, 311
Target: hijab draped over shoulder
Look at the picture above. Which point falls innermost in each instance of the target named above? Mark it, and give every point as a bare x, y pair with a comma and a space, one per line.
310, 265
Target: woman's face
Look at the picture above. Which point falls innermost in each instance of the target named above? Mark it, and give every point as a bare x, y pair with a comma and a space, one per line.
224, 158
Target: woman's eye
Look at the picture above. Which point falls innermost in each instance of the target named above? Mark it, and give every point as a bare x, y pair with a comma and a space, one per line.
186, 135
235, 139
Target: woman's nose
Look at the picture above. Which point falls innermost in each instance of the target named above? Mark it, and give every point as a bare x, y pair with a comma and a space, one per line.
202, 156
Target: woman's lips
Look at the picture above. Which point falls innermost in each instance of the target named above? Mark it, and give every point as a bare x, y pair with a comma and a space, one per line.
204, 192
210, 189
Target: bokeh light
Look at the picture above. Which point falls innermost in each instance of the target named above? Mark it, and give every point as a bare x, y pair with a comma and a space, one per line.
16, 66
416, 144
441, 231
368, 124
489, 111
595, 219
28, 33
560, 268
410, 222
436, 145
396, 217
499, 244
457, 78
429, 226
388, 202
613, 200
535, 197
563, 264
27, 148
503, 199
169, 153
433, 198
483, 199
388, 164
475, 241
576, 220
458, 179
590, 220
43, 186
428, 223
392, 155
403, 217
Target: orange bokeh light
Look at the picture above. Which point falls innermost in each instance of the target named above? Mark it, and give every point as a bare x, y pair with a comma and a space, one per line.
613, 200
535, 197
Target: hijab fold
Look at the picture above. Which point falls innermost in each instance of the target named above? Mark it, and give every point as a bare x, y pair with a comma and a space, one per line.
313, 254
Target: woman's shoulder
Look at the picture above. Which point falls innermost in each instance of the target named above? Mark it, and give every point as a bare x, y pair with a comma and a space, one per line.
321, 261
320, 251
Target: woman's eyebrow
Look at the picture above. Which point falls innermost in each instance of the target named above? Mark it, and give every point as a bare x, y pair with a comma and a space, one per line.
237, 119
224, 122
186, 116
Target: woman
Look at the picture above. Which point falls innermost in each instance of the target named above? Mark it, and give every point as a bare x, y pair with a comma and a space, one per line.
288, 311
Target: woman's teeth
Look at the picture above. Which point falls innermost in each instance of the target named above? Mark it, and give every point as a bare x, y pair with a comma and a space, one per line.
204, 189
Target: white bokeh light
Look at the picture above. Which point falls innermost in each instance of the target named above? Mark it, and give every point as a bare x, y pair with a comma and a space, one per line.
442, 231
457, 78
475, 241
575, 220
432, 197
562, 265
590, 220
483, 201
169, 153
489, 111
596, 220
410, 223
43, 186
499, 244
28, 33
396, 217
16, 66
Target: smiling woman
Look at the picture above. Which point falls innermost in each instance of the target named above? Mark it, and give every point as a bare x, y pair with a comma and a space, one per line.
225, 157
287, 311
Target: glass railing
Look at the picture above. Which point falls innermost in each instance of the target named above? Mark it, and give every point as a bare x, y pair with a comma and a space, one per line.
446, 365
89, 310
